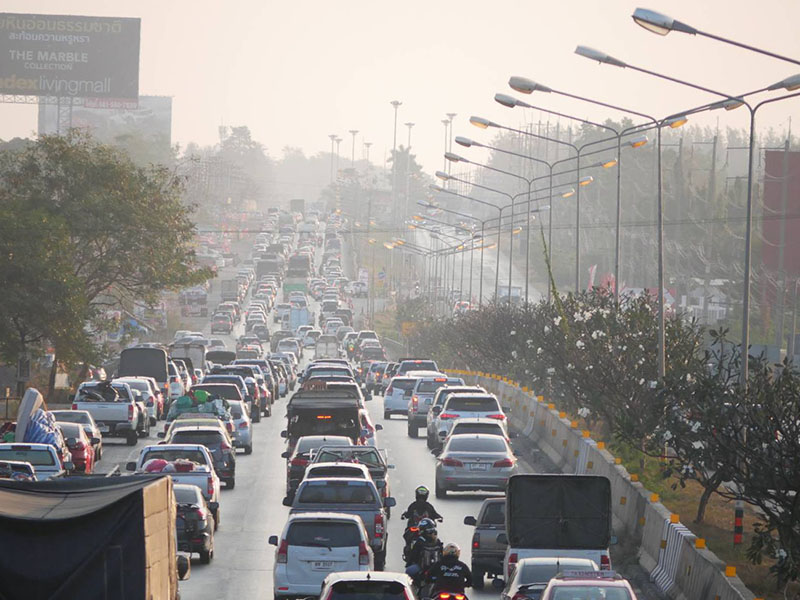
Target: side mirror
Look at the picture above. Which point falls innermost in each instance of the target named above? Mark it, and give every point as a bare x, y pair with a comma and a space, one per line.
213, 506
502, 538
95, 440
470, 520
284, 434
161, 435
389, 502
513, 435
71, 441
287, 501
380, 484
69, 466
184, 567
442, 434
285, 454
390, 467
378, 427
437, 409
273, 540
498, 583
71, 398
436, 451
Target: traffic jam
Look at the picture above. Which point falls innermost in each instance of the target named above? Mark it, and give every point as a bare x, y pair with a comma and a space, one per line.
279, 372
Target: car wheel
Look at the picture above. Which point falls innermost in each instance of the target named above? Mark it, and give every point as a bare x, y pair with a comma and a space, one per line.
441, 492
216, 519
477, 578
380, 560
248, 449
153, 421
132, 438
413, 430
257, 416
430, 442
206, 556
98, 453
387, 415
230, 483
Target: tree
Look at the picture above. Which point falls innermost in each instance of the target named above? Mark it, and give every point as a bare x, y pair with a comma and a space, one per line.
116, 231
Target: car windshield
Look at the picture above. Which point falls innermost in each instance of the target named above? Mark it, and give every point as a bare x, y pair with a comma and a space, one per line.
38, 458
236, 410
170, 455
495, 514
539, 573
187, 494
473, 405
589, 592
323, 534
368, 590
205, 438
71, 416
474, 444
337, 492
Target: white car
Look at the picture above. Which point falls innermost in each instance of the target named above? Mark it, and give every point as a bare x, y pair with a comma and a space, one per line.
310, 338
468, 405
42, 457
147, 386
312, 546
242, 426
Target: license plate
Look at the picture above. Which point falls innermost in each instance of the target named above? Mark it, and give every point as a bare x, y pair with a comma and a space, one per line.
322, 565
102, 428
478, 466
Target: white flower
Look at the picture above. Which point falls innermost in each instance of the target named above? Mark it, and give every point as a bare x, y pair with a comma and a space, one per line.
539, 351
667, 436
579, 344
527, 372
584, 411
570, 366
689, 378
587, 315
512, 332
557, 321
595, 334
546, 329
513, 354
529, 343
696, 426
641, 381
577, 317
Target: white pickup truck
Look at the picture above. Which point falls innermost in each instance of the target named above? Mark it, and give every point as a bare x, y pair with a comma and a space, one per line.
42, 457
202, 475
115, 409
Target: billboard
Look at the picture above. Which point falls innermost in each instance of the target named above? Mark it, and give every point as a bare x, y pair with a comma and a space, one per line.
68, 55
150, 121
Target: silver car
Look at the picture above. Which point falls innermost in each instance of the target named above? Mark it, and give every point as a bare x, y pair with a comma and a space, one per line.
474, 462
242, 426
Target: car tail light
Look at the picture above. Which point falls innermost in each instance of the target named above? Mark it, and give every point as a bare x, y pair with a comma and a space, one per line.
512, 560
200, 514
299, 462
130, 412
283, 552
379, 525
224, 445
74, 406
173, 379
243, 425
210, 486
414, 402
363, 554
498, 416
446, 416
228, 426
519, 596
504, 463
605, 563
194, 379
452, 462
476, 542
389, 390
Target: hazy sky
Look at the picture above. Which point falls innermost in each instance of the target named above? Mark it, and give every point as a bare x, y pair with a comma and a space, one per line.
297, 71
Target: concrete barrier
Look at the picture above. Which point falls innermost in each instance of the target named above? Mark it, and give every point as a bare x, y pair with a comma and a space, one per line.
667, 549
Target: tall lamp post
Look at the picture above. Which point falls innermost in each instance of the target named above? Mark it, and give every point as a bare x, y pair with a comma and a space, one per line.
353, 132
395, 104
333, 141
408, 168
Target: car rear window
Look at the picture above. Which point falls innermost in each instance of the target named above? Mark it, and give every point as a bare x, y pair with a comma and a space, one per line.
403, 384
471, 444
71, 416
495, 515
430, 386
170, 455
236, 411
187, 495
367, 590
418, 365
589, 591
334, 492
544, 573
489, 428
38, 458
205, 438
473, 404
335, 472
323, 534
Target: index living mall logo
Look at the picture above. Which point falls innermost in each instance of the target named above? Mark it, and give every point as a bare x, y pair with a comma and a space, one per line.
70, 87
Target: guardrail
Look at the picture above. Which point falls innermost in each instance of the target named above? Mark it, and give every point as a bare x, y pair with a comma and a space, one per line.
678, 562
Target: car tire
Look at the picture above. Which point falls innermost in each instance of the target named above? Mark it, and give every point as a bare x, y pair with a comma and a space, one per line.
206, 556
153, 421
413, 430
380, 560
387, 415
477, 578
248, 449
132, 438
98, 454
441, 491
216, 519
429, 440
230, 483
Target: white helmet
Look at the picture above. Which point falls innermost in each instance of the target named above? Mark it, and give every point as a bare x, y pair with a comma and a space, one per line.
451, 549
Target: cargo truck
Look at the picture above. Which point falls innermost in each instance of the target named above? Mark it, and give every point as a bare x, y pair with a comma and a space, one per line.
229, 290
107, 537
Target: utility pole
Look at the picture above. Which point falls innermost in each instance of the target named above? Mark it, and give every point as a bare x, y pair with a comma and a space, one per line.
353, 132
338, 141
396, 104
712, 194
408, 170
333, 140
366, 149
781, 287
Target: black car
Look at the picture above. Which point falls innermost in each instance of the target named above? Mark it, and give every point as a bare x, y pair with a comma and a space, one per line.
195, 522
223, 454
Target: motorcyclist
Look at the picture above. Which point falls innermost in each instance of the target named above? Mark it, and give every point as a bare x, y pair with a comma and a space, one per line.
424, 546
449, 574
420, 508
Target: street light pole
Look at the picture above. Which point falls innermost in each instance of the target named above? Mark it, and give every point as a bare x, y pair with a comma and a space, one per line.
333, 140
408, 169
395, 104
353, 132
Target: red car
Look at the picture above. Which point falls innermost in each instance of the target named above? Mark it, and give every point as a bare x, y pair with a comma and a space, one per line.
80, 446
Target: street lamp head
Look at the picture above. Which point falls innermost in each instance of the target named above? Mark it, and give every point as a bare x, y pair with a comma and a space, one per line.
435, 188
353, 131
388, 245
481, 123
659, 23
789, 84
442, 175
586, 180
371, 240
729, 104
409, 124
611, 162
638, 141
466, 142
395, 103
523, 85
452, 157
570, 192
418, 217
676, 122
516, 230
600, 57
542, 208
509, 101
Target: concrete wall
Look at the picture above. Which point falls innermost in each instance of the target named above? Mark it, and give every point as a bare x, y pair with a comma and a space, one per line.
667, 549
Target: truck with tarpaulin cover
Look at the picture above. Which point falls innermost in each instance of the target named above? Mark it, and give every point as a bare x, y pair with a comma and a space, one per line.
114, 538
558, 515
